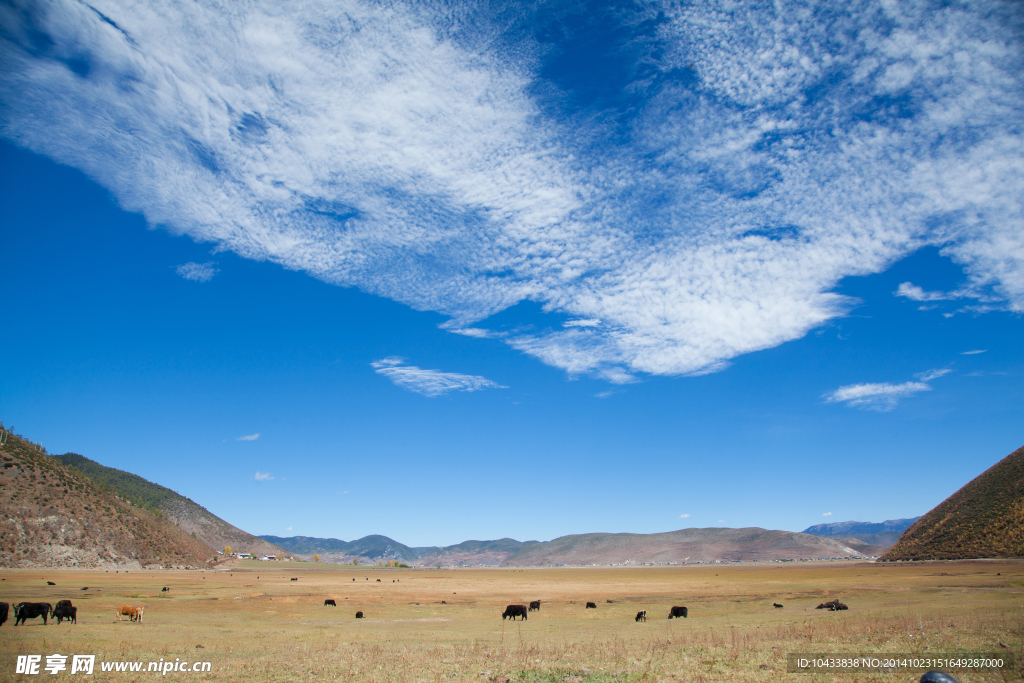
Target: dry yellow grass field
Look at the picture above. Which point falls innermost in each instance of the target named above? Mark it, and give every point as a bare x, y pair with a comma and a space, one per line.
254, 624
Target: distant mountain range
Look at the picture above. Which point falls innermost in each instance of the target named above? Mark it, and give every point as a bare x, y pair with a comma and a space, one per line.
378, 548
687, 545
985, 518
871, 538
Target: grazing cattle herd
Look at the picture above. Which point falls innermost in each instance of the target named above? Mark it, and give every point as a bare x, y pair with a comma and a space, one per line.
65, 610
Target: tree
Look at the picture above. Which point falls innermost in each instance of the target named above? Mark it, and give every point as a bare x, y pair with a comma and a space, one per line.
355, 561
316, 557
227, 550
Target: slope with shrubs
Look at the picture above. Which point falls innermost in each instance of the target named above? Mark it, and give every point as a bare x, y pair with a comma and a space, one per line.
189, 515
985, 518
52, 515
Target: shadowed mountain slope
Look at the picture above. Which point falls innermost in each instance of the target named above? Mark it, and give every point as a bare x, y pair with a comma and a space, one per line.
189, 515
985, 518
52, 515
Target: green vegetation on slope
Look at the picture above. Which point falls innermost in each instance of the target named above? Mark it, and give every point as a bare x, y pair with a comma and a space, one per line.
985, 518
131, 487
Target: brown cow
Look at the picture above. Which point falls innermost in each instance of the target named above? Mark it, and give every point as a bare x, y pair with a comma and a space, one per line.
125, 610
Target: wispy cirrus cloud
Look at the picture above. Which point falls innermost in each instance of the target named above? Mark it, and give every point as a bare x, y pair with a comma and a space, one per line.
263, 476
878, 396
929, 375
250, 437
430, 382
197, 272
973, 353
749, 159
685, 515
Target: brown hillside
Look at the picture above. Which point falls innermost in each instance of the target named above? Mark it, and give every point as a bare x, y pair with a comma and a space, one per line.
685, 545
983, 519
187, 514
54, 516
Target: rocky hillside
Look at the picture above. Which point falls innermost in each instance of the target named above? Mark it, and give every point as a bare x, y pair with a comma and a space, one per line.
187, 514
686, 545
52, 515
985, 518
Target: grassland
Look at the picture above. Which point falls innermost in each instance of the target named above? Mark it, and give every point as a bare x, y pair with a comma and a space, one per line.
254, 624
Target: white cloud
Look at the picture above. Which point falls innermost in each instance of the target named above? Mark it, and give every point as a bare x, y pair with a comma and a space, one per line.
915, 293
288, 529
721, 521
430, 382
251, 437
972, 353
882, 397
476, 332
402, 149
197, 272
826, 514
685, 515
582, 323
929, 375
263, 477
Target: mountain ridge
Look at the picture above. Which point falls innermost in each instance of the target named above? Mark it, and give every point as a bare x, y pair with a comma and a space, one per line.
874, 538
695, 545
52, 515
192, 517
984, 518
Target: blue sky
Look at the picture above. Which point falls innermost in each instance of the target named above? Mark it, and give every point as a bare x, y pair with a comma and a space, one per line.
443, 272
